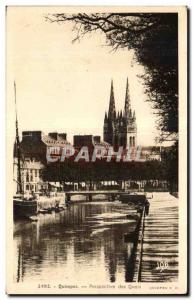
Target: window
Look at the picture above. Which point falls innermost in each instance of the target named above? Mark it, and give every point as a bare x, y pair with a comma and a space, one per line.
40, 173
130, 141
27, 177
133, 141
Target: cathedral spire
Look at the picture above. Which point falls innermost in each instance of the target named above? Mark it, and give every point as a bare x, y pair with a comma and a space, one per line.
112, 110
127, 100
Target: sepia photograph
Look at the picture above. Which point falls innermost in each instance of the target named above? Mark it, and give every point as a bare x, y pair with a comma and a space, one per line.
96, 150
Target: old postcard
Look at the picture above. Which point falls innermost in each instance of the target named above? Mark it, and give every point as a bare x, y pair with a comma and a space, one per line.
96, 150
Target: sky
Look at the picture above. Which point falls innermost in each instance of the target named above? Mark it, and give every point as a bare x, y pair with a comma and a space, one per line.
64, 86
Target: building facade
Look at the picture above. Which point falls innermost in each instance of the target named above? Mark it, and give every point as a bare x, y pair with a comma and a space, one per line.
31, 175
36, 144
34, 148
120, 128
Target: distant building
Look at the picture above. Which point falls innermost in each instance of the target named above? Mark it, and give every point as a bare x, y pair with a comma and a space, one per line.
151, 153
31, 175
88, 140
83, 140
36, 145
120, 129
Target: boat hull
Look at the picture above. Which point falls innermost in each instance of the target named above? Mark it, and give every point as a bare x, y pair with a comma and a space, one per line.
24, 208
134, 198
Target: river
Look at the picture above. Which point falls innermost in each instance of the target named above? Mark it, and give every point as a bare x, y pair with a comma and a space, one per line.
85, 242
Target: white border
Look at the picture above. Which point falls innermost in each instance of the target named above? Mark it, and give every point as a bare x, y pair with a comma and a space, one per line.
3, 3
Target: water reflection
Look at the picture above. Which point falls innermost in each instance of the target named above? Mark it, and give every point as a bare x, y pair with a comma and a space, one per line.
84, 242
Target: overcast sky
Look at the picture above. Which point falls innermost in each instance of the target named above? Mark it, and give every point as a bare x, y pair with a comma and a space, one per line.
64, 86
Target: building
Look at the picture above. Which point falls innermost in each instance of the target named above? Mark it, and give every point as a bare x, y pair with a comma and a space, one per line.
36, 144
120, 128
34, 148
90, 141
151, 153
83, 140
31, 175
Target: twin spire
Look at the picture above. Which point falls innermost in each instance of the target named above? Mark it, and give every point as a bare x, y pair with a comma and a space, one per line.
127, 108
112, 110
127, 101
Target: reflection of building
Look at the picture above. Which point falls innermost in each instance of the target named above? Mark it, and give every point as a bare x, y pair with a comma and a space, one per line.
120, 129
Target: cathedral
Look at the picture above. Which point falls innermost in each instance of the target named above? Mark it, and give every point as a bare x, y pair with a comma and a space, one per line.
120, 128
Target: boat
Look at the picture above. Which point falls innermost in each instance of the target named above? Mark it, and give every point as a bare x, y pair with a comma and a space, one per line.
139, 198
42, 211
59, 209
23, 207
49, 210
33, 219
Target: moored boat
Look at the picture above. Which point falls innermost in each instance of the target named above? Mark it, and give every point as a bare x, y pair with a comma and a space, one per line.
139, 198
23, 207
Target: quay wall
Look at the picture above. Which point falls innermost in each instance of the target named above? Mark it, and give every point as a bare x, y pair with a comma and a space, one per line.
77, 198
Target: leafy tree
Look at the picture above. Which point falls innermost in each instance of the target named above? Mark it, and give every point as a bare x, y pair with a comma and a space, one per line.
101, 170
170, 161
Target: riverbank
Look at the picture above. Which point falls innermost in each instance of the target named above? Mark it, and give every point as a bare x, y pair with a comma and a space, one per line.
158, 257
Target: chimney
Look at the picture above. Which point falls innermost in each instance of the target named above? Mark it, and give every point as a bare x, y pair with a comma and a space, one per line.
62, 136
34, 135
53, 135
97, 138
83, 140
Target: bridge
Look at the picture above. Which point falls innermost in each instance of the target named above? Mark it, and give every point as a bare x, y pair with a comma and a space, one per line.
112, 195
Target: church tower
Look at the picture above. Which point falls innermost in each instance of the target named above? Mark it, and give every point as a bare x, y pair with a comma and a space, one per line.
110, 119
130, 129
120, 129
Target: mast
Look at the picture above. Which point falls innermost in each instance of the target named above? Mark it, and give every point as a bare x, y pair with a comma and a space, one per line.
20, 189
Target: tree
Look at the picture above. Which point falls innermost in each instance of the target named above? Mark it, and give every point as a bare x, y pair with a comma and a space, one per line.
100, 170
170, 164
154, 39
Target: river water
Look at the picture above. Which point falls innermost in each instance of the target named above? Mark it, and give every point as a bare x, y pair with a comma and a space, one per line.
85, 242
